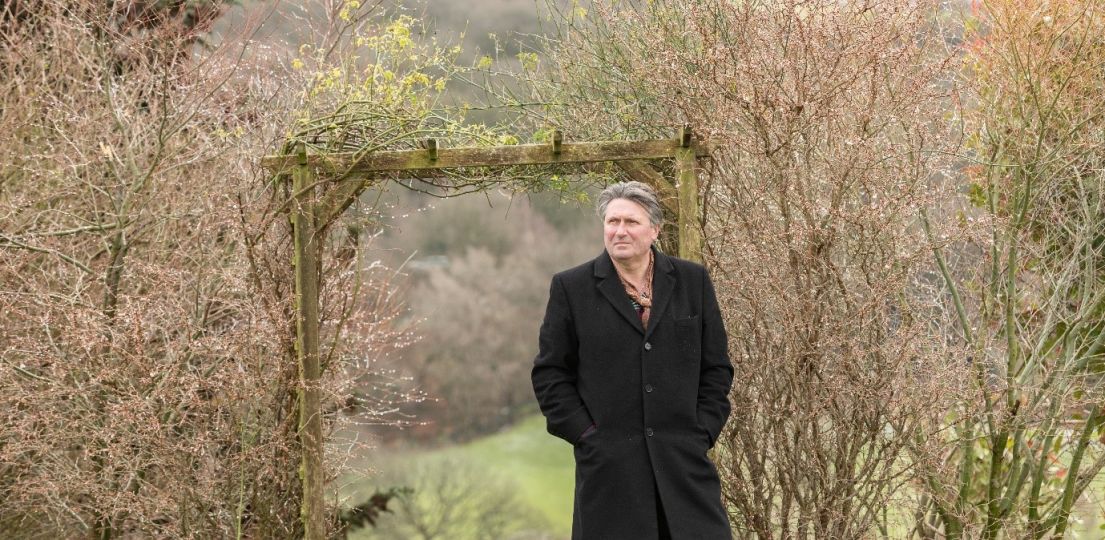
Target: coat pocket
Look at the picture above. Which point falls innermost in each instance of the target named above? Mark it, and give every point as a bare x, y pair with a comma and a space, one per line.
688, 331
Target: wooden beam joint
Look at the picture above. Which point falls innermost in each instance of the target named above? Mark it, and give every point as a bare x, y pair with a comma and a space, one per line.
431, 149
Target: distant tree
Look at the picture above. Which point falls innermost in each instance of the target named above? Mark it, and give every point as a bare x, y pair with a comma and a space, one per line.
183, 21
478, 309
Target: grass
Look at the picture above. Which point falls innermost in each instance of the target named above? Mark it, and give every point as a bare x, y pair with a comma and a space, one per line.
542, 469
539, 465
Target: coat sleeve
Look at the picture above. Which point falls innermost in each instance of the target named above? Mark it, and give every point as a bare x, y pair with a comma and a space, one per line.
716, 375
555, 370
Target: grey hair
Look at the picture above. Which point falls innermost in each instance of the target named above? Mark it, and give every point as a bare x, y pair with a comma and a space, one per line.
634, 191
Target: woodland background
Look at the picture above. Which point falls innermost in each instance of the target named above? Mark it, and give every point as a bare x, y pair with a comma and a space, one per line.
903, 218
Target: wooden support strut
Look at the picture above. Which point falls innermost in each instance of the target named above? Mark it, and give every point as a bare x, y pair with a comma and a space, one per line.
690, 237
305, 259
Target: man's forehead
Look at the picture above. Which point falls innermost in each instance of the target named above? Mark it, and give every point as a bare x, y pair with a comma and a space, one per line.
624, 208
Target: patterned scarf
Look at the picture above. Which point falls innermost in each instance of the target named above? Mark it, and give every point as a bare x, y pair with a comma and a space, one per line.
642, 298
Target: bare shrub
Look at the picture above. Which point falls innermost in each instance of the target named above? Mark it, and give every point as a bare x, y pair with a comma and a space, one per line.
148, 377
1027, 282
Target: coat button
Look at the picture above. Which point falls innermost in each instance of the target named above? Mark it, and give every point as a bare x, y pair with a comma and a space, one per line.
648, 388
648, 346
648, 431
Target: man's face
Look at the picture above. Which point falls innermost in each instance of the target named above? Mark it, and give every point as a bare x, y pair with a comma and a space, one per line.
627, 232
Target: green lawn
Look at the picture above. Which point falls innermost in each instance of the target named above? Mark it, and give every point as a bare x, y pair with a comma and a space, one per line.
538, 464
541, 464
541, 467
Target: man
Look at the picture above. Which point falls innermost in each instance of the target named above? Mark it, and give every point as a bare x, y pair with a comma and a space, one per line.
633, 370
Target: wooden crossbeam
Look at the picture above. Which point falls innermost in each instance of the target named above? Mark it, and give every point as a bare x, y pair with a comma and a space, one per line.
434, 157
353, 173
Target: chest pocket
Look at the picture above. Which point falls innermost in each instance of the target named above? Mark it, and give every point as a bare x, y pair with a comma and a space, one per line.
688, 331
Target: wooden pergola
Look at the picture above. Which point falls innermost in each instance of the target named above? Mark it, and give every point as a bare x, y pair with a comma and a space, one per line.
353, 173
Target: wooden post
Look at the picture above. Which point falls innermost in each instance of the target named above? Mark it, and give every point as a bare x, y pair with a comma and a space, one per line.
690, 238
305, 259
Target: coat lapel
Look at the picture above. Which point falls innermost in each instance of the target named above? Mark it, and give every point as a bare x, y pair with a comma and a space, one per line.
663, 283
611, 288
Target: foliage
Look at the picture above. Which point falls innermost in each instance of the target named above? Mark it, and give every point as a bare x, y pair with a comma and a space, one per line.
1027, 283
132, 345
185, 20
374, 89
148, 373
382, 87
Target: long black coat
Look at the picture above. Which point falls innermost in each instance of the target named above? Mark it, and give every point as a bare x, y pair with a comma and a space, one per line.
658, 397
